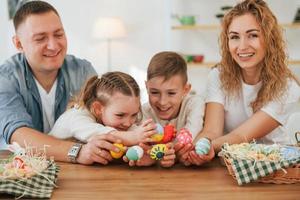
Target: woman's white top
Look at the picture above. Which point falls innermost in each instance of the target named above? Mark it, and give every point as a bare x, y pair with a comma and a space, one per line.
238, 110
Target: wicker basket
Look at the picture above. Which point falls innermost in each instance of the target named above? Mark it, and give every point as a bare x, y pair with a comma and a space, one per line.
291, 176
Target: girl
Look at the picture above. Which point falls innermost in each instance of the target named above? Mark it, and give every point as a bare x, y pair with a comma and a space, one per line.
107, 104
252, 92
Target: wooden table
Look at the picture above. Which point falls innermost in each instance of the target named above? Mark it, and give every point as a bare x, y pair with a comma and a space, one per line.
118, 181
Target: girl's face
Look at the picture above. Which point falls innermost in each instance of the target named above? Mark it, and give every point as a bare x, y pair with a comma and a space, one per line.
246, 42
121, 111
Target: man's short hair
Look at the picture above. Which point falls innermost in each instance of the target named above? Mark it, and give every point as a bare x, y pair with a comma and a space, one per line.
167, 64
31, 8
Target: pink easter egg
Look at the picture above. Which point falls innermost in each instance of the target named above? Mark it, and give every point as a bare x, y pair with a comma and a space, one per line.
184, 136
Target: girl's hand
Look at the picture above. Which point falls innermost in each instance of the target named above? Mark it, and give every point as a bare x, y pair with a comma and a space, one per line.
97, 149
143, 133
144, 161
169, 157
182, 152
198, 160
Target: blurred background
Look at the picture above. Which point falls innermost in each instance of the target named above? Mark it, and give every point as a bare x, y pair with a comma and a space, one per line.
124, 34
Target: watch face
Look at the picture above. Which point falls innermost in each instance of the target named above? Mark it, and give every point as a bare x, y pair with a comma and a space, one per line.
73, 151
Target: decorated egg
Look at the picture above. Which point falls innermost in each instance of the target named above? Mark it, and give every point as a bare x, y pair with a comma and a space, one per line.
158, 151
169, 133
134, 153
184, 136
119, 154
202, 146
158, 136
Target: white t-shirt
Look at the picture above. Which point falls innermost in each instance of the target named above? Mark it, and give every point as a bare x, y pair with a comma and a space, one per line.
48, 105
190, 115
78, 123
238, 110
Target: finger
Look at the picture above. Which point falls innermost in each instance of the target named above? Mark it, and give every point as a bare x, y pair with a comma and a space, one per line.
145, 147
166, 163
99, 159
132, 163
146, 122
169, 157
169, 152
102, 144
178, 146
125, 159
149, 133
186, 148
106, 155
109, 137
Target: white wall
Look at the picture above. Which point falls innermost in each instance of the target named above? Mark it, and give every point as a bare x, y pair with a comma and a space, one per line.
148, 25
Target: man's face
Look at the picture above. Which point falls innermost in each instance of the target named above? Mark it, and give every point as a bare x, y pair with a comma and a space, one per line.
42, 39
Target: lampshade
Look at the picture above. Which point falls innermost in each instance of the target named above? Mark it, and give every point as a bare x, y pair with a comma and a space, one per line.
109, 28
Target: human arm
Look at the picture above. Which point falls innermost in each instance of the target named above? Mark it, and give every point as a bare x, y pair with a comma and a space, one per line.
59, 148
139, 134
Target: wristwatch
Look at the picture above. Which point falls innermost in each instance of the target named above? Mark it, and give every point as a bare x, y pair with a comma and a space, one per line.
74, 152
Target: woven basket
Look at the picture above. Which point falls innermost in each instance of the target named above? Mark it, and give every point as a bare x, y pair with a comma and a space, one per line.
291, 176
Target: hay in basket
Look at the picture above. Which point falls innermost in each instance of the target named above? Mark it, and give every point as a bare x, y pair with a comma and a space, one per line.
27, 174
249, 162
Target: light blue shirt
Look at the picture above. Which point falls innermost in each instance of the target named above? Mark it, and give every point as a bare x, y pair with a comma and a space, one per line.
20, 102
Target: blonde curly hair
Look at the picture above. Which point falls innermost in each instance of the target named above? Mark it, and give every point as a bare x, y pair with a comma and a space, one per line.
274, 72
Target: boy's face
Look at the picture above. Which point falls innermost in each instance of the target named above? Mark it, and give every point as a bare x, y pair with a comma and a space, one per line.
165, 96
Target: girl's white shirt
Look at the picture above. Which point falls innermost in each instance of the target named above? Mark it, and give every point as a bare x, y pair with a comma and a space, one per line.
78, 123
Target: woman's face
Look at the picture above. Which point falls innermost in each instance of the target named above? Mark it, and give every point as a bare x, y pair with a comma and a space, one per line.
246, 42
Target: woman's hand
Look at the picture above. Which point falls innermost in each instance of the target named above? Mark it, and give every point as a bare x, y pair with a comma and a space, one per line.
198, 160
97, 149
169, 157
182, 152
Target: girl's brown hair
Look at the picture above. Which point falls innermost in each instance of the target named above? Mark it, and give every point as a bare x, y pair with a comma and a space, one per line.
274, 71
101, 88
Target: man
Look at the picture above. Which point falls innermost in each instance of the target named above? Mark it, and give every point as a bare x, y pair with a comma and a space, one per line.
37, 83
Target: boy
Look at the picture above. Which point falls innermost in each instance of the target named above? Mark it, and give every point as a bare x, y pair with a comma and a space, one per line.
169, 99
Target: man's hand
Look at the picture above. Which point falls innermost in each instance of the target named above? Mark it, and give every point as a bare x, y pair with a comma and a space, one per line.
97, 149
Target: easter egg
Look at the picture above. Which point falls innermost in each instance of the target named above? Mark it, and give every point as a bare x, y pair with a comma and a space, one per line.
134, 153
119, 154
290, 153
158, 136
202, 146
158, 151
169, 133
184, 136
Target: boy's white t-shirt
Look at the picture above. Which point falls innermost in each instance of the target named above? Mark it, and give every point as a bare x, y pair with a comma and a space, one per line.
190, 115
78, 123
48, 105
238, 110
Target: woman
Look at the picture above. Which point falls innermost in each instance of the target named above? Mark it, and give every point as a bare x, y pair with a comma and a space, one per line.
252, 92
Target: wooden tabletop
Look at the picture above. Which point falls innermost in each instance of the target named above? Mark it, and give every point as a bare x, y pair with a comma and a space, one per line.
118, 181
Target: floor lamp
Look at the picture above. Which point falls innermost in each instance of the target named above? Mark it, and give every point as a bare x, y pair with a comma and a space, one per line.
109, 29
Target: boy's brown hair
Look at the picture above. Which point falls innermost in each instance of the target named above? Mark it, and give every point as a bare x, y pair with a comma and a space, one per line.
167, 64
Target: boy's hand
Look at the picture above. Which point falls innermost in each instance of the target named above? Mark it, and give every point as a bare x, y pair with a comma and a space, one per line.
182, 152
144, 161
169, 157
198, 160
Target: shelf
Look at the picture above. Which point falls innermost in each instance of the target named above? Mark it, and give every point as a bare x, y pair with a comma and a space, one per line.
216, 26
211, 64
